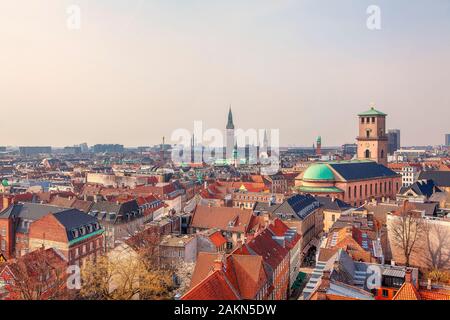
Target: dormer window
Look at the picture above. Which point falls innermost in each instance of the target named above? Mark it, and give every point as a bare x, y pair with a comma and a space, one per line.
75, 233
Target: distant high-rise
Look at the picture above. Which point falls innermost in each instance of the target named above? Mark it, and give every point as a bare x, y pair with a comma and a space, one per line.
447, 139
393, 140
349, 149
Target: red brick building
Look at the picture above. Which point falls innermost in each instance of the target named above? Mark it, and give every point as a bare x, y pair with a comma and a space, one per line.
25, 227
354, 182
276, 259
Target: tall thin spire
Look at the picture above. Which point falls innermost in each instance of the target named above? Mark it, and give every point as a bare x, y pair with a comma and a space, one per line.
230, 124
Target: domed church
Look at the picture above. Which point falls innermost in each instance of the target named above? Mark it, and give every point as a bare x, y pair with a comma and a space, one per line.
356, 181
353, 181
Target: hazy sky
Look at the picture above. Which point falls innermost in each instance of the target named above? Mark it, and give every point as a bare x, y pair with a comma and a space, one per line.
138, 69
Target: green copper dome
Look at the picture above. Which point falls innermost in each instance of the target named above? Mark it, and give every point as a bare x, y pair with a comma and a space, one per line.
5, 183
318, 172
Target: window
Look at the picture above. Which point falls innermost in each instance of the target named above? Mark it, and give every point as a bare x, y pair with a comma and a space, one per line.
3, 232
367, 154
385, 293
373, 119
362, 120
3, 245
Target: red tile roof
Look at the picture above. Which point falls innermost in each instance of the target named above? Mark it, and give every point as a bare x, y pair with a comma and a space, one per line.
279, 229
213, 287
223, 218
407, 292
434, 294
264, 245
249, 274
218, 239
245, 274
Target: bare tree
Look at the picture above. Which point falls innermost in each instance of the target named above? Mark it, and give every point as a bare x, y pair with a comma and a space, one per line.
145, 241
41, 275
406, 229
437, 238
183, 274
124, 276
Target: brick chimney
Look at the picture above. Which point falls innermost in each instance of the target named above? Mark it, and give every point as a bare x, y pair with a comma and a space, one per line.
324, 285
408, 276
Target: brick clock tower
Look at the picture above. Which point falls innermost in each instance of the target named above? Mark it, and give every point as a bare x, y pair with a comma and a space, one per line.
372, 139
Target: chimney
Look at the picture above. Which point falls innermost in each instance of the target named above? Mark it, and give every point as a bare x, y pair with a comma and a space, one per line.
324, 285
408, 276
218, 264
429, 284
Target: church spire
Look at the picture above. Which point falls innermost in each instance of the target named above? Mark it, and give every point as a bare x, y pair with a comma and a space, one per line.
230, 124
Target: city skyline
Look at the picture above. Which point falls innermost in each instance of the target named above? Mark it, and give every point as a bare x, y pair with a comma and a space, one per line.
137, 70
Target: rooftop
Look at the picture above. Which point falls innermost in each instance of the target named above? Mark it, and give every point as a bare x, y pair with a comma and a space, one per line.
372, 112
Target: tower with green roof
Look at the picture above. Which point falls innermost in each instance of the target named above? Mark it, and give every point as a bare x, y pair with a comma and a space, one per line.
372, 139
319, 146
